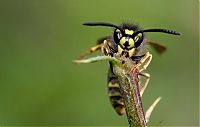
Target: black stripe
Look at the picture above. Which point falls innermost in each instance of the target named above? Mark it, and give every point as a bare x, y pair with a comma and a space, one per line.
116, 98
118, 105
113, 90
113, 80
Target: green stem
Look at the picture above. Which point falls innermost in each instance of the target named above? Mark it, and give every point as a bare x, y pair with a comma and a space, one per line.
130, 92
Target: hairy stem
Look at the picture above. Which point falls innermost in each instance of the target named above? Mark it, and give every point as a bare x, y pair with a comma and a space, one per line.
130, 91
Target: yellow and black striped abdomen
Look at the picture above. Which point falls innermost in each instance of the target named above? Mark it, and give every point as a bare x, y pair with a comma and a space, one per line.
114, 93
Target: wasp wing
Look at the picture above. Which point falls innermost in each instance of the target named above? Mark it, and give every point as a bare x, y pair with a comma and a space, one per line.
158, 47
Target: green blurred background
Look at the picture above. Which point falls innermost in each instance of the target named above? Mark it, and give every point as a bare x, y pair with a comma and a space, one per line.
39, 39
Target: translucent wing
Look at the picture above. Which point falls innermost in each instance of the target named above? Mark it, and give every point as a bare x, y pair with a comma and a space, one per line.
158, 47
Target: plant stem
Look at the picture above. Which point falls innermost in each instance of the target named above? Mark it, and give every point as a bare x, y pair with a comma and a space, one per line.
130, 92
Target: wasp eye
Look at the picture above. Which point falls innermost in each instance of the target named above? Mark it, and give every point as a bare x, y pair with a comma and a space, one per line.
117, 36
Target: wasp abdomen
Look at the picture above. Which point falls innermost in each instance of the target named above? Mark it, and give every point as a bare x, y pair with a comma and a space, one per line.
114, 94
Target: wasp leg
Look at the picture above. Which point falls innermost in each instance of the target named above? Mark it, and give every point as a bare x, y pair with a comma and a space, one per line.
91, 50
143, 63
146, 82
151, 108
100, 44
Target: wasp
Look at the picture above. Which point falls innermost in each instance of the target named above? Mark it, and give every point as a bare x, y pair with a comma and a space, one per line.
127, 40
127, 43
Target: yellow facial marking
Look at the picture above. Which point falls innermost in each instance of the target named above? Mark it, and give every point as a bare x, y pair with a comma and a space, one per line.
122, 41
131, 52
119, 49
140, 35
131, 43
117, 30
129, 32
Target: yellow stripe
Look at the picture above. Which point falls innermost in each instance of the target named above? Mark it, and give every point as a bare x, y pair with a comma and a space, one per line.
122, 41
120, 50
131, 43
116, 93
113, 85
131, 52
130, 32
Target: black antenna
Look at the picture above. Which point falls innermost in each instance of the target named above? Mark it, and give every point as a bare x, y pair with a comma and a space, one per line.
140, 31
102, 24
160, 30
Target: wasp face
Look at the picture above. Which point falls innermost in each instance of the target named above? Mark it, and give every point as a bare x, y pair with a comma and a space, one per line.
127, 39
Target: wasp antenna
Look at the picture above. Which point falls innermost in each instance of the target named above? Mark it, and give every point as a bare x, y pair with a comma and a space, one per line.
101, 24
162, 31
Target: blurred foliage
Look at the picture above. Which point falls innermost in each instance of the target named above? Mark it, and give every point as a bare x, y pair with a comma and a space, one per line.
39, 84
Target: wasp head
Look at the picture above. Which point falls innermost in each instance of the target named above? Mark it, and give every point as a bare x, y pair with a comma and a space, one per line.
128, 39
